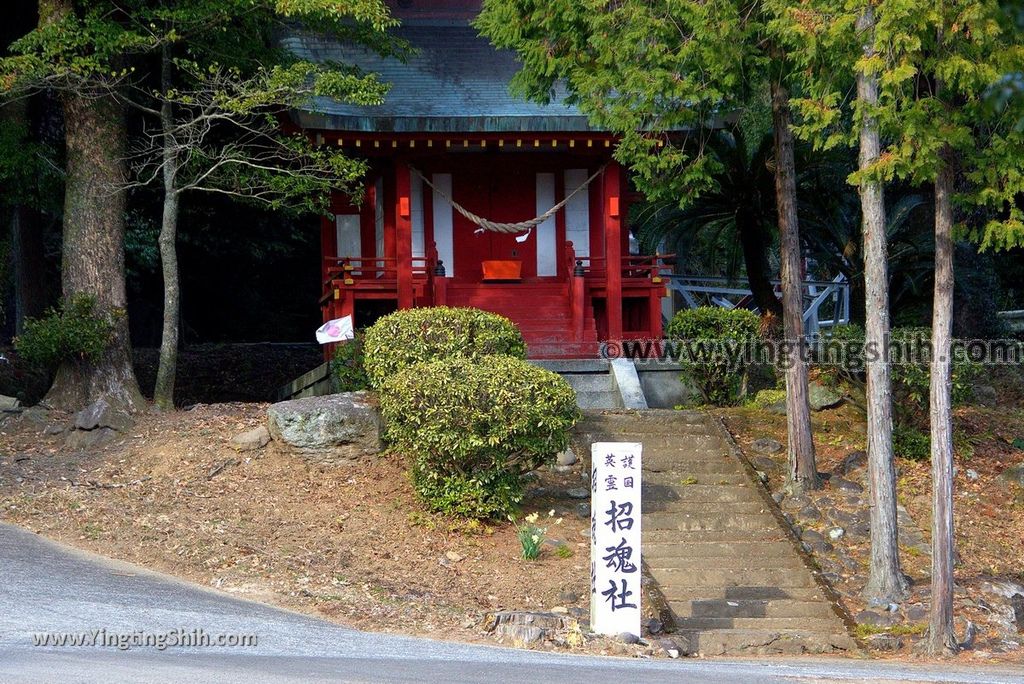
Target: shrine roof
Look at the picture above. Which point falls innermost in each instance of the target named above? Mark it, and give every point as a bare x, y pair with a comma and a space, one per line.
455, 82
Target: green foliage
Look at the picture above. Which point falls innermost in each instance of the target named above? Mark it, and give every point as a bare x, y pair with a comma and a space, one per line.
767, 398
639, 69
473, 426
841, 359
72, 331
531, 535
911, 371
713, 359
413, 335
486, 494
910, 443
349, 365
962, 50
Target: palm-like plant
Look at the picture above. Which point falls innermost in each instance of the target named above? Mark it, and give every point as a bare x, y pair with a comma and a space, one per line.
730, 231
730, 226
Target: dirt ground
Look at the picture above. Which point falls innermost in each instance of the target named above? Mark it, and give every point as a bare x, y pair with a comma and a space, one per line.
354, 544
989, 520
350, 544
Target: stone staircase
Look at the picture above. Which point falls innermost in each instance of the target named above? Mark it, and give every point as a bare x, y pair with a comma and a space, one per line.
728, 577
592, 379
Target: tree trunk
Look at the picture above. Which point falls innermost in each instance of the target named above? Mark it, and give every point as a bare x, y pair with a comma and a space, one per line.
941, 637
803, 470
755, 259
886, 582
163, 394
93, 250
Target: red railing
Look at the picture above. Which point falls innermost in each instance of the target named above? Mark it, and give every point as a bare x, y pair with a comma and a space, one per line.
645, 266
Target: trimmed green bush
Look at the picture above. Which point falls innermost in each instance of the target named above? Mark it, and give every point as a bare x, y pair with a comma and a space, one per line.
710, 361
71, 331
411, 336
349, 365
474, 426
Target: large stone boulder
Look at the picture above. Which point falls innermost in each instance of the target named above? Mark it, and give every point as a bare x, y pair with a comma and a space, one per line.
330, 430
822, 397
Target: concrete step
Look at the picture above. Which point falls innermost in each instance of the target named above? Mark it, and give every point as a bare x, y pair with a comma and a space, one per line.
590, 382
699, 493
660, 464
718, 549
575, 366
626, 426
809, 624
683, 593
674, 443
751, 608
685, 478
692, 509
697, 536
782, 578
605, 399
753, 522
701, 563
763, 642
653, 420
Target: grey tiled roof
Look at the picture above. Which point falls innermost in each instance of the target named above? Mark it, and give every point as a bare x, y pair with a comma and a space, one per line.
455, 82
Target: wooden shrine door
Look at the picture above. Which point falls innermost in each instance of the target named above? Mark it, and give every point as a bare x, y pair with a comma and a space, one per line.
500, 194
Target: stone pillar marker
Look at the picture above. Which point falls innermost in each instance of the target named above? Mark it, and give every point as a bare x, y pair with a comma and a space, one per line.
615, 537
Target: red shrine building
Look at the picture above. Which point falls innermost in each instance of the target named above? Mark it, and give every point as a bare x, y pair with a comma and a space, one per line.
450, 143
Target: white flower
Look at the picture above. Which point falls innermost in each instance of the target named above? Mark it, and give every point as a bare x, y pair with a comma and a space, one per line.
536, 539
532, 518
551, 513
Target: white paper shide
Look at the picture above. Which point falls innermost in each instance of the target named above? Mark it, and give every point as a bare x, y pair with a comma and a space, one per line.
615, 537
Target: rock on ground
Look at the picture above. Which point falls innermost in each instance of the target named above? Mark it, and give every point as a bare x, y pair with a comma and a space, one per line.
98, 423
1013, 475
524, 627
101, 414
329, 430
821, 397
257, 438
766, 445
566, 458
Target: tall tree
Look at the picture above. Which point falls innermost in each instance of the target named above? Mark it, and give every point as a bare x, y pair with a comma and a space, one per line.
932, 66
658, 73
75, 47
886, 581
218, 118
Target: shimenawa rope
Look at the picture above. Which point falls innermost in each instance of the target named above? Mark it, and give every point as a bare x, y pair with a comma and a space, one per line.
497, 226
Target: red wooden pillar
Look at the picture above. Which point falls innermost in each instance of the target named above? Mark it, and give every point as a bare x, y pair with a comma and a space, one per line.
403, 234
328, 245
610, 201
655, 312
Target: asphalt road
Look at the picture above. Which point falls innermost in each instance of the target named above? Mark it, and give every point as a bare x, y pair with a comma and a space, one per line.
47, 588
